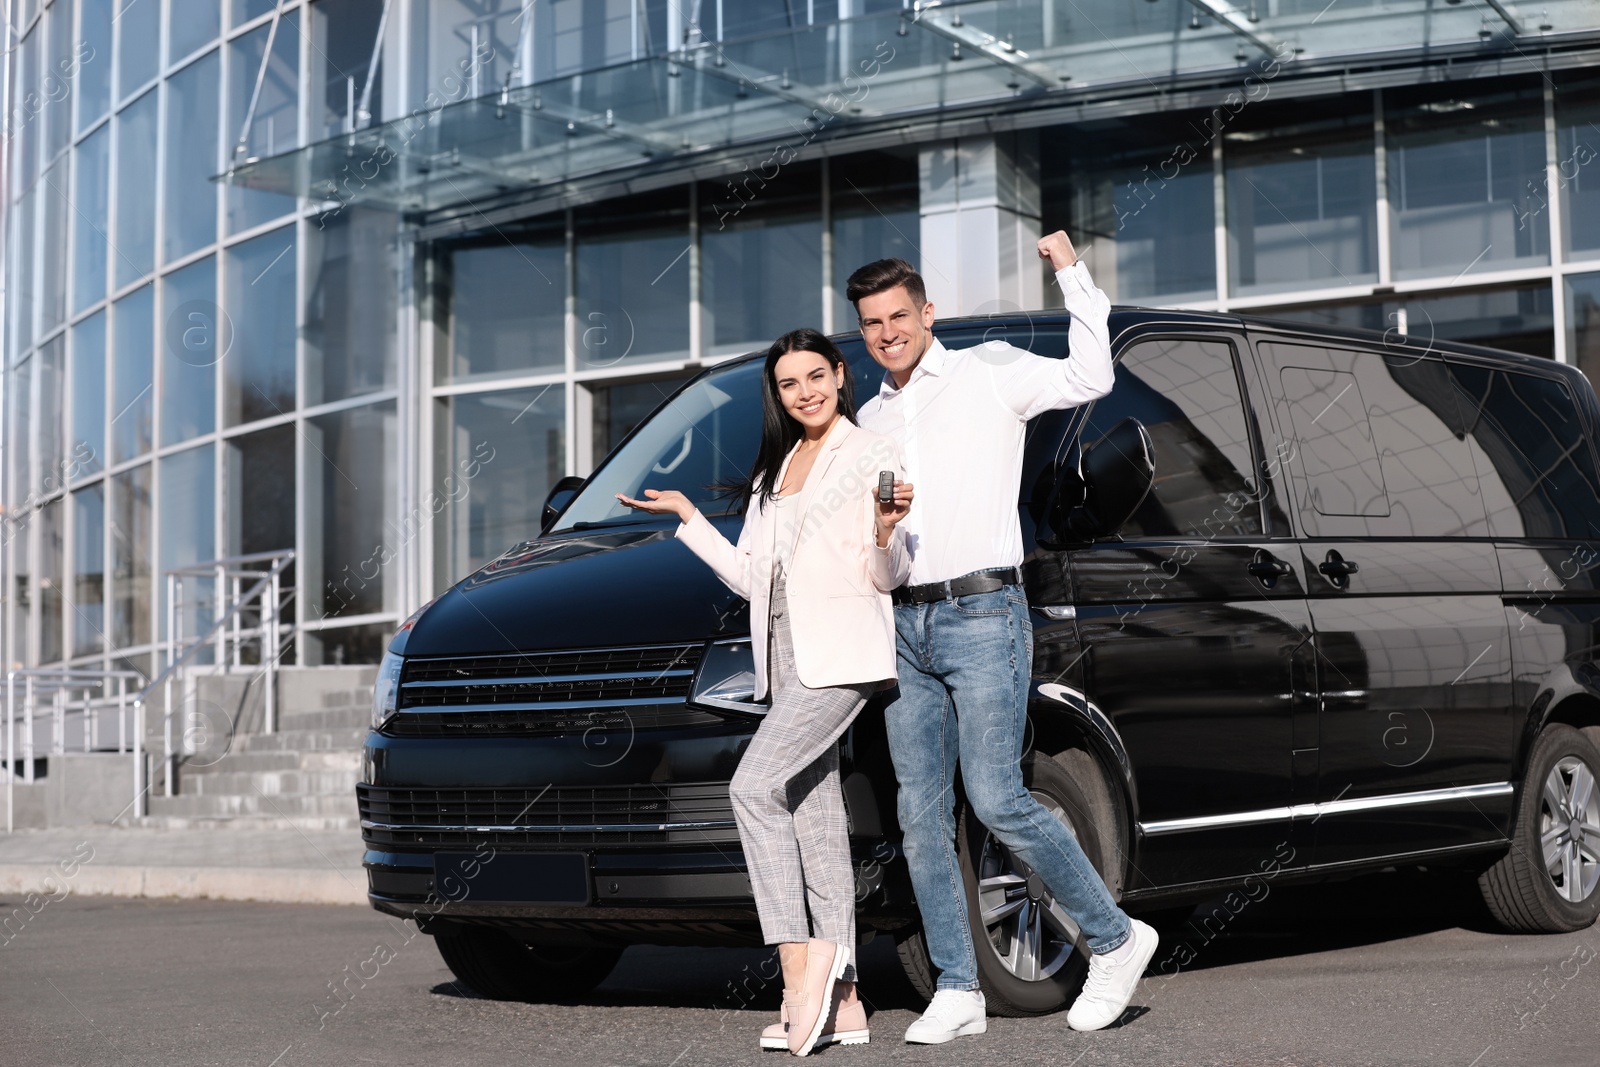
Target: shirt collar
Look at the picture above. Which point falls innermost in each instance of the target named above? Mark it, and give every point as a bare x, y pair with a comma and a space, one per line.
932, 362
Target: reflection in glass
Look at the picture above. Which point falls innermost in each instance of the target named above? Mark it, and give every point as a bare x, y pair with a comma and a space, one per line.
133, 329
507, 309
465, 48
93, 61
706, 437
633, 281
130, 557
89, 570
136, 186
19, 436
56, 81
50, 456
1578, 159
1466, 181
1583, 324
761, 263
52, 547
93, 205
140, 49
275, 127
876, 209
345, 31
1302, 205
193, 340
338, 645
22, 586
350, 305
260, 488
351, 480
258, 373
187, 521
191, 197
498, 456
191, 24
88, 452
54, 198
619, 408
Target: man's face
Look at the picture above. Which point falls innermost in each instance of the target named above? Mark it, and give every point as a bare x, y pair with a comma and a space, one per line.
896, 331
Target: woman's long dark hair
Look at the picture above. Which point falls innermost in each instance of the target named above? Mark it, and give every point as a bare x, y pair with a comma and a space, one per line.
779, 430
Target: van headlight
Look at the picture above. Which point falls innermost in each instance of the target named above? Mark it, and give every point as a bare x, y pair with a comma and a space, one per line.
726, 678
386, 690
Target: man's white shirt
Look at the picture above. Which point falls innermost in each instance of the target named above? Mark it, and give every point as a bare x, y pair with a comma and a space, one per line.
961, 419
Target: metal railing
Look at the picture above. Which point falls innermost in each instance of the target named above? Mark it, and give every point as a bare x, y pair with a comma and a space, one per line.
249, 590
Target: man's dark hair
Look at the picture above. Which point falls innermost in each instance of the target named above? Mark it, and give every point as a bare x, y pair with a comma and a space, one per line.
882, 275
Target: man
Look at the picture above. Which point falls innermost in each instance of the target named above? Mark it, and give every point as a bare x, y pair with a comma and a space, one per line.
964, 637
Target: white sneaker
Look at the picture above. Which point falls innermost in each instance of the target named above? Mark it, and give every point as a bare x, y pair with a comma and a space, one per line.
953, 1013
1110, 984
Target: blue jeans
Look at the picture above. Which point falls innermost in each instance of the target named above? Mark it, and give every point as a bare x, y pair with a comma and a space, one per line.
965, 672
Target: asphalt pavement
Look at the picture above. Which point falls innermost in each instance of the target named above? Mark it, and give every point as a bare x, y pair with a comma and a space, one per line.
1386, 970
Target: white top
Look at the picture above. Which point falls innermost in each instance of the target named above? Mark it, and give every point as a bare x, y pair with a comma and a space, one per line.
961, 421
787, 513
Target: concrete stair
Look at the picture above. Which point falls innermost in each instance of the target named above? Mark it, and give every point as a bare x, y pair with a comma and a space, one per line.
301, 777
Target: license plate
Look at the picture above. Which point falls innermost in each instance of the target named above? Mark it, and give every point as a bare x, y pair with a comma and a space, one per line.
501, 877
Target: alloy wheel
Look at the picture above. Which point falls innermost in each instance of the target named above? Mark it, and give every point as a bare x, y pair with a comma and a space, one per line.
1569, 828
1026, 928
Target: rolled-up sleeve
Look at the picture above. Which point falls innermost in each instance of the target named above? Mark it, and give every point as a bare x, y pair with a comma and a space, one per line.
1032, 384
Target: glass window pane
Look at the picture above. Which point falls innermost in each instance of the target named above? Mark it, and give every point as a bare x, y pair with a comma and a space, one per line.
93, 162
506, 34
619, 408
633, 281
761, 262
876, 207
88, 451
345, 31
498, 455
275, 127
51, 452
20, 486
23, 277
1578, 159
1520, 318
1583, 324
348, 644
242, 11
260, 480
351, 304
133, 336
1466, 180
194, 338
351, 479
188, 497
52, 559
93, 60
507, 309
136, 185
139, 53
1141, 195
55, 198
89, 570
191, 200
30, 105
190, 25
56, 79
130, 557
258, 373
22, 585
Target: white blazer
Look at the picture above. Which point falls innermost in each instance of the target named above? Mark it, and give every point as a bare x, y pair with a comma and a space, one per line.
841, 618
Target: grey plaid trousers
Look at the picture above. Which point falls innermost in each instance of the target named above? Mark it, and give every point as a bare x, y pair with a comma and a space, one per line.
789, 807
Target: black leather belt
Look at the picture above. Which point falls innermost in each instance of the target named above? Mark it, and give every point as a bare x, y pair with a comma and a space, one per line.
980, 582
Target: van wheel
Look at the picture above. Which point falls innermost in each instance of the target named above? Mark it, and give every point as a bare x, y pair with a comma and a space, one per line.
1548, 882
499, 967
1031, 959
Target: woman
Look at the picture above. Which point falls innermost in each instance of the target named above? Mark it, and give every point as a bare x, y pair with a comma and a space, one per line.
816, 559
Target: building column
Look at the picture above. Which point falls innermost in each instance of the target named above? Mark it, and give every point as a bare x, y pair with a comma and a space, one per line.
980, 224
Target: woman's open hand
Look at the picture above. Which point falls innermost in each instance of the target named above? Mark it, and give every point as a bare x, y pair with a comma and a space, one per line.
662, 502
893, 511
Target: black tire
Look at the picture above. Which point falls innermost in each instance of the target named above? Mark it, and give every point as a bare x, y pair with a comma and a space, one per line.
1074, 786
497, 966
1523, 894
912, 948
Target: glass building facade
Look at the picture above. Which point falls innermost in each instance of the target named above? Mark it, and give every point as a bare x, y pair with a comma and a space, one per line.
195, 368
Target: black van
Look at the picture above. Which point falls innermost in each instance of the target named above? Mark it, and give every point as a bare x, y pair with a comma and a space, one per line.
1306, 603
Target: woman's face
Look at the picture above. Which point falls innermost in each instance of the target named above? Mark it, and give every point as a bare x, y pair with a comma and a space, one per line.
808, 388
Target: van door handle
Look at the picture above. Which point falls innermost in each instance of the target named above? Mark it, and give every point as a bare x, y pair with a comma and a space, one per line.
1267, 567
1337, 569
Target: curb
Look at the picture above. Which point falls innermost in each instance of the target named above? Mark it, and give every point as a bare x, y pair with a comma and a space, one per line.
271, 885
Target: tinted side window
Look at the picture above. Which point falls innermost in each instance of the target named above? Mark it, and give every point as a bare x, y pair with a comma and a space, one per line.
1379, 444
1186, 393
1537, 467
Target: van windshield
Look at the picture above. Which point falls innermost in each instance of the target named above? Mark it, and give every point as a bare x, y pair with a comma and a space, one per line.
707, 434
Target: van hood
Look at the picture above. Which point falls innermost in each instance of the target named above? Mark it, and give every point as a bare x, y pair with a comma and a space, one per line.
627, 585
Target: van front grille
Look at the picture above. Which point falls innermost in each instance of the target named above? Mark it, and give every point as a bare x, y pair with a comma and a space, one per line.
689, 813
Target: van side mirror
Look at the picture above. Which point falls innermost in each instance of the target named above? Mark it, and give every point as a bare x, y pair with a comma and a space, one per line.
1111, 479
561, 495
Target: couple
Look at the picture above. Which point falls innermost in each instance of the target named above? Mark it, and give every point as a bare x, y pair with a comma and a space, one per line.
957, 639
